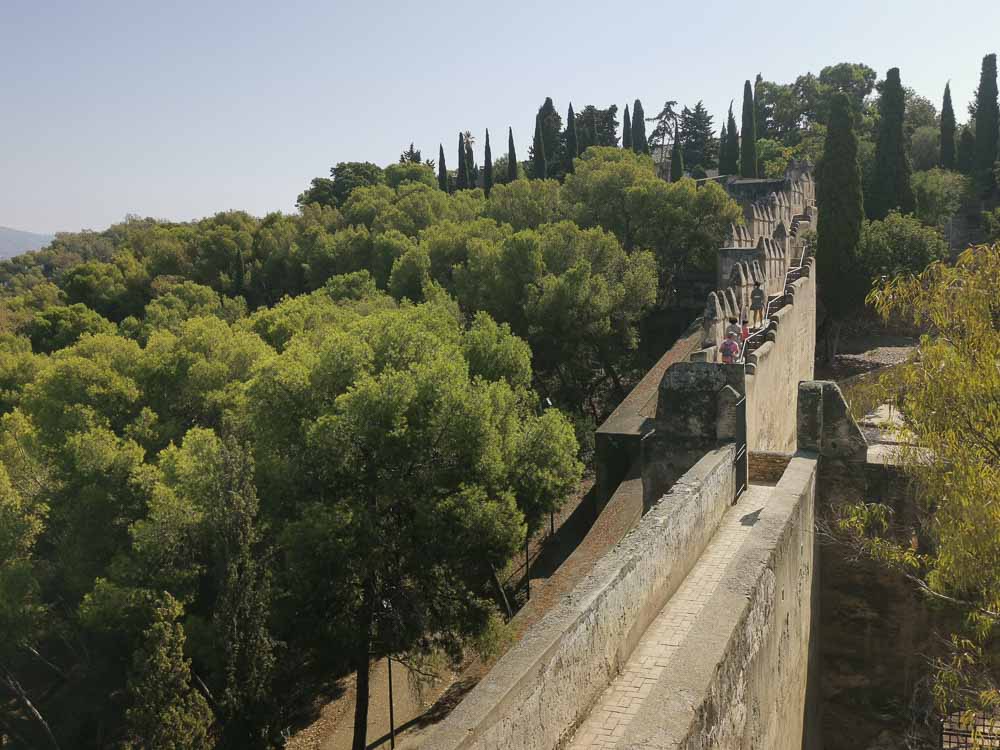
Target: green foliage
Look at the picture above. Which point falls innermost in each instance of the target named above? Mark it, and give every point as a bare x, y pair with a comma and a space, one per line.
925, 148
345, 177
681, 223
697, 137
890, 184
397, 174
572, 143
991, 225
58, 327
221, 489
549, 124
676, 162
462, 181
897, 245
442, 173
640, 144
965, 158
511, 157
165, 710
730, 149
539, 168
599, 127
487, 167
748, 135
948, 400
947, 137
526, 204
939, 194
839, 199
987, 125
626, 130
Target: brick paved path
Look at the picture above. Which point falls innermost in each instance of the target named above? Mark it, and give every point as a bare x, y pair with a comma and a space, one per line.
610, 716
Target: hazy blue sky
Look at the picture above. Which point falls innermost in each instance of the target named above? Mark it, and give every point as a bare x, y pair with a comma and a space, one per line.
181, 109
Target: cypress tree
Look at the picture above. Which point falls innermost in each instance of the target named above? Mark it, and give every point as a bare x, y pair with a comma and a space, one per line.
723, 137
676, 161
572, 142
487, 166
759, 108
732, 145
511, 156
626, 130
462, 178
639, 143
840, 201
966, 157
442, 170
987, 123
551, 127
748, 135
890, 186
470, 163
947, 130
538, 153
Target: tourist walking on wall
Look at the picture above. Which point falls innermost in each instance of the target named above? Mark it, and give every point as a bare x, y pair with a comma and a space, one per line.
757, 304
730, 349
733, 327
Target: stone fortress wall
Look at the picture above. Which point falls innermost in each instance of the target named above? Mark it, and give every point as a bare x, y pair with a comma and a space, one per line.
677, 439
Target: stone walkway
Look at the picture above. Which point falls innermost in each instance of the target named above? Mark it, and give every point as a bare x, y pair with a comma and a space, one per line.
615, 709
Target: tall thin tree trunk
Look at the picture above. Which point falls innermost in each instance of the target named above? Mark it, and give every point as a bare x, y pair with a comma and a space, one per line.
503, 594
832, 340
16, 688
362, 667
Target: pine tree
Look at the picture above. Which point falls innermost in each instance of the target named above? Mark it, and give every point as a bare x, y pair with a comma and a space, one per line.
947, 130
511, 156
627, 130
890, 185
965, 158
462, 178
987, 124
698, 137
487, 166
639, 143
676, 161
841, 210
748, 135
538, 170
732, 148
442, 170
572, 142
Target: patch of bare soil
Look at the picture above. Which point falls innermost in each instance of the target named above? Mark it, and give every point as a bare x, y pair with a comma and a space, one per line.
863, 353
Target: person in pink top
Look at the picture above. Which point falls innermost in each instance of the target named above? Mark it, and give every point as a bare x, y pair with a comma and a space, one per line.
730, 349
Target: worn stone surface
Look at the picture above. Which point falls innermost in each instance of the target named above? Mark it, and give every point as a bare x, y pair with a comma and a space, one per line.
539, 690
825, 423
739, 678
617, 441
772, 389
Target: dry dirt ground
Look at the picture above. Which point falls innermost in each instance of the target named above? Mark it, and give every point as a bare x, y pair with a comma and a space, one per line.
860, 354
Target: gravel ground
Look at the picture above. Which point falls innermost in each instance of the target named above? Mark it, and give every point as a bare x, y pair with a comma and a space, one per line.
866, 353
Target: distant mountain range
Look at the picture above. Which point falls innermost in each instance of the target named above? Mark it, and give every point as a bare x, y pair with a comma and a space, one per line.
14, 242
